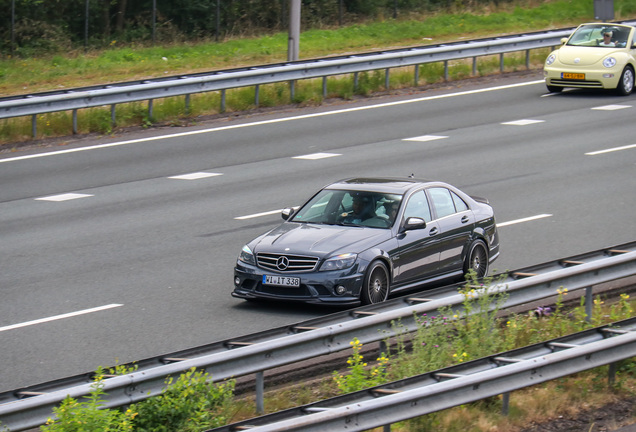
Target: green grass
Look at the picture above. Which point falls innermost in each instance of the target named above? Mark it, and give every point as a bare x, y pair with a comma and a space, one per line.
68, 70
449, 337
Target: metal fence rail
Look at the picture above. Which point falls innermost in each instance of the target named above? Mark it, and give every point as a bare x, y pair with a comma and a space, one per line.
186, 85
445, 388
25, 408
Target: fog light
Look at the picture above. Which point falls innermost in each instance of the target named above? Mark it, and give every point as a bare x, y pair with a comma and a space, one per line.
340, 290
237, 281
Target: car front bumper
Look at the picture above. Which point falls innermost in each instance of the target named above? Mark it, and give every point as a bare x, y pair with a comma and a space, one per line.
594, 78
315, 287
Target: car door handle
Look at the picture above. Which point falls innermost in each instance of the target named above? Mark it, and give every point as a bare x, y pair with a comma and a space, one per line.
465, 219
433, 231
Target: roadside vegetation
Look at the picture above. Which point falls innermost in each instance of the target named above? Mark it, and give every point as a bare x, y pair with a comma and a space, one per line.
127, 62
191, 403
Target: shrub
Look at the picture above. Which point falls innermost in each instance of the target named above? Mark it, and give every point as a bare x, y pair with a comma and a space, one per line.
76, 416
189, 404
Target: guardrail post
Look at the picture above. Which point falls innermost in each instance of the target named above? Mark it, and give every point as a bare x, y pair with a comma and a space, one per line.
223, 101
34, 125
505, 404
257, 92
260, 392
113, 121
324, 87
589, 302
445, 70
386, 78
292, 91
355, 82
386, 428
150, 108
501, 62
187, 104
611, 374
74, 121
527, 59
416, 79
474, 66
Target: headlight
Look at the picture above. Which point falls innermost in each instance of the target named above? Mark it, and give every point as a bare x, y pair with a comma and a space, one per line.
551, 58
609, 62
339, 262
247, 256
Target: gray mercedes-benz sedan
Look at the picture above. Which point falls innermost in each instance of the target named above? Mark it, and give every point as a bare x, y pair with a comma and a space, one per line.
360, 240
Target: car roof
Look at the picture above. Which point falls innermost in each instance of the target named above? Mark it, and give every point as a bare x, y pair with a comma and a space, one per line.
604, 24
395, 185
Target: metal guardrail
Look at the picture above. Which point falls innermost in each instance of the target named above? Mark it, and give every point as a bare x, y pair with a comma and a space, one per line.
449, 387
185, 85
29, 407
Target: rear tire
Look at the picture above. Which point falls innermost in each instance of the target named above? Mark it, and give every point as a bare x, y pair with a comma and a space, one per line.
375, 288
626, 83
477, 259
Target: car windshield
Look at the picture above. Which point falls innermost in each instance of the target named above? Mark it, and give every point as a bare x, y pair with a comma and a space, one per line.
599, 35
347, 207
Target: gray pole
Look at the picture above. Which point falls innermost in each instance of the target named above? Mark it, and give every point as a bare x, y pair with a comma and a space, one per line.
86, 27
12, 26
154, 20
293, 46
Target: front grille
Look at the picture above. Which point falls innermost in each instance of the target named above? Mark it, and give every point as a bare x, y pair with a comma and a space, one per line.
286, 263
576, 83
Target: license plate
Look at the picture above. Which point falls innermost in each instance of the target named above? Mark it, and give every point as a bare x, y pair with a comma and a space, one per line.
281, 281
574, 76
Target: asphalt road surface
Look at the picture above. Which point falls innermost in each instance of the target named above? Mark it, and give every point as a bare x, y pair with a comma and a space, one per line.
122, 248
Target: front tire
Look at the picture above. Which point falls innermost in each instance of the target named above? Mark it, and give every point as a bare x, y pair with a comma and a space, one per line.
477, 259
554, 89
626, 83
375, 288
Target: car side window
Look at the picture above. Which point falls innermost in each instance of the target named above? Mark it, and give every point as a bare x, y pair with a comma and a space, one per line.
460, 205
445, 201
418, 207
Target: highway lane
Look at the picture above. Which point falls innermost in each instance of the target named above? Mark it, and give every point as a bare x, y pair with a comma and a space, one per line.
159, 250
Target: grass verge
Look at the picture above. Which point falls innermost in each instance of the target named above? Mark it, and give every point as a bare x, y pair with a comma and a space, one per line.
448, 338
19, 76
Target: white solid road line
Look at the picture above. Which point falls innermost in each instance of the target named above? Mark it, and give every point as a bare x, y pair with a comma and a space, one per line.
59, 317
499, 225
278, 120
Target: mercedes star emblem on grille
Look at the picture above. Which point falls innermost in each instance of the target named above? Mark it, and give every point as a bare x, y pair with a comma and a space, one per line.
282, 263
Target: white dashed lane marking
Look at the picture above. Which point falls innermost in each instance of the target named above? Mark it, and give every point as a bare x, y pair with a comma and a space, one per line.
522, 122
64, 197
59, 317
195, 176
425, 138
610, 150
316, 156
611, 107
528, 219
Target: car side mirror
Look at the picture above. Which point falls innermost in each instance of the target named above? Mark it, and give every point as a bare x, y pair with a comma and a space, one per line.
287, 213
563, 41
414, 223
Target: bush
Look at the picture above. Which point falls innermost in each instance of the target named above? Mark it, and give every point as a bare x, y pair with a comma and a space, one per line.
75, 416
189, 404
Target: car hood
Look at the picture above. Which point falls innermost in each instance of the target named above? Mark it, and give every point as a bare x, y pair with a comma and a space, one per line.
318, 240
586, 56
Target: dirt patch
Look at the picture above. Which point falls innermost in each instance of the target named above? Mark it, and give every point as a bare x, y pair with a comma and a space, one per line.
612, 417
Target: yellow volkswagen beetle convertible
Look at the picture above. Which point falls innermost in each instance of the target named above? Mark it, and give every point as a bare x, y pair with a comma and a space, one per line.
596, 55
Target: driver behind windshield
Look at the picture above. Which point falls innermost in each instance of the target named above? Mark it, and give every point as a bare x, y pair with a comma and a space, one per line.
362, 209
